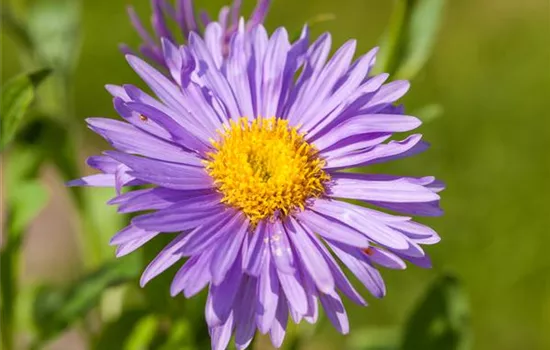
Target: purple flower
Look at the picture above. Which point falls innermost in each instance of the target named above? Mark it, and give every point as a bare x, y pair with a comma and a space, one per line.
183, 14
244, 158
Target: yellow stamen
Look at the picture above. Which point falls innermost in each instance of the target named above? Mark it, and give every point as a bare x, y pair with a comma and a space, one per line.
265, 168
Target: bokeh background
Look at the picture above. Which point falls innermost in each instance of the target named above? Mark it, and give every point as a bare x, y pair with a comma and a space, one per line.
490, 72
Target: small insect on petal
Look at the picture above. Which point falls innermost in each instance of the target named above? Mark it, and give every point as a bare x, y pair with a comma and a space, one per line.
369, 251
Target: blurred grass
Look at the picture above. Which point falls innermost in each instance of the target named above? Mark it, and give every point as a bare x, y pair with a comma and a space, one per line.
491, 73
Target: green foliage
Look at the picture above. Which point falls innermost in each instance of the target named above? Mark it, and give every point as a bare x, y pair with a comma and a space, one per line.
55, 309
441, 321
25, 199
143, 334
374, 338
480, 224
17, 96
116, 333
54, 27
410, 37
429, 112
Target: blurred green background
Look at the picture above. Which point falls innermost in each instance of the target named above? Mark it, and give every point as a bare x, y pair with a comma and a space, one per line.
490, 71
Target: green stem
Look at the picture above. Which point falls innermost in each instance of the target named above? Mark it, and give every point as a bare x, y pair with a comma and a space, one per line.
17, 31
9, 262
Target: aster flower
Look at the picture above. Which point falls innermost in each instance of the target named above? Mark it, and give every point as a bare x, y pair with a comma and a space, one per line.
184, 16
245, 158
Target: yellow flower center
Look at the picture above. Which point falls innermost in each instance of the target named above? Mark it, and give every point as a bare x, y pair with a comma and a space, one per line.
265, 168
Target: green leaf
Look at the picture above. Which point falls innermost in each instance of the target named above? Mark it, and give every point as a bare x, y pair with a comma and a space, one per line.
54, 26
143, 334
421, 33
441, 321
25, 202
179, 337
114, 334
25, 198
392, 38
429, 113
410, 37
101, 221
15, 29
374, 338
17, 96
55, 309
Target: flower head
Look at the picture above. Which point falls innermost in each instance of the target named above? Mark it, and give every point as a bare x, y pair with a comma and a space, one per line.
244, 157
183, 14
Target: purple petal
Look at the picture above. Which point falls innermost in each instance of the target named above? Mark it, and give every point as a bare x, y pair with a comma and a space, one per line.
153, 199
424, 262
312, 260
98, 180
312, 313
205, 236
400, 190
122, 177
171, 95
419, 209
164, 260
221, 335
136, 22
164, 88
365, 124
353, 145
129, 233
354, 259
184, 215
159, 22
335, 311
281, 251
294, 291
222, 296
188, 137
210, 76
257, 250
387, 94
358, 219
341, 281
417, 232
273, 68
138, 121
278, 328
268, 296
314, 62
350, 106
294, 60
385, 258
130, 246
333, 229
174, 61
223, 258
236, 72
381, 153
170, 175
259, 13
103, 163
244, 313
117, 91
213, 37
185, 14
193, 276
129, 139
259, 44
